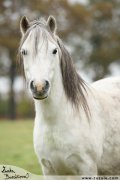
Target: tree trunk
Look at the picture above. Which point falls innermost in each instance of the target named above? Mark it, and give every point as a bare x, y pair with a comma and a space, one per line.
12, 103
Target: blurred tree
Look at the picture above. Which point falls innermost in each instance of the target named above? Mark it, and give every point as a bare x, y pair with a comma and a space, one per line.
91, 32
105, 36
9, 39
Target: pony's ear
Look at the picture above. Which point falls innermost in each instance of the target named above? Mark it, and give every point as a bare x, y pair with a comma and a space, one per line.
24, 24
51, 23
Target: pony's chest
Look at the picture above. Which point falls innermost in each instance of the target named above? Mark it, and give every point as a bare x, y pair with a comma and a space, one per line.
56, 143
48, 142
57, 150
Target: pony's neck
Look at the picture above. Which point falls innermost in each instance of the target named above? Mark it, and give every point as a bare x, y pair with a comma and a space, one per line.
50, 109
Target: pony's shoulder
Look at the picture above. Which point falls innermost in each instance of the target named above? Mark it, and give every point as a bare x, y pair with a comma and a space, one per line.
107, 84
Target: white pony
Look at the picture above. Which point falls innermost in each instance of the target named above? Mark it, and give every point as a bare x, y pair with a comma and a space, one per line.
77, 126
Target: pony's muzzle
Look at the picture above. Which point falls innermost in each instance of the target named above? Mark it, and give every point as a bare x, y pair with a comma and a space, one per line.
39, 90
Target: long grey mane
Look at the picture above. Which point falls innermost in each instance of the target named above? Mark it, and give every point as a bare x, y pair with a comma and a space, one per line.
74, 86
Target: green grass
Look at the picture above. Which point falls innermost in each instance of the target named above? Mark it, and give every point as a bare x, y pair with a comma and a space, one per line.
16, 145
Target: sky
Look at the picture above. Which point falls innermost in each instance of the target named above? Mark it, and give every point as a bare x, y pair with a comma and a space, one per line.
79, 1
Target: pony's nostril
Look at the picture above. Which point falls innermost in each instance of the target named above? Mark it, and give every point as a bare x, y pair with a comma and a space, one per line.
32, 85
47, 84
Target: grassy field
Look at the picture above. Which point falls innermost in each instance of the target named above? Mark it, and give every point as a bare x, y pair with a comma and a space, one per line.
16, 145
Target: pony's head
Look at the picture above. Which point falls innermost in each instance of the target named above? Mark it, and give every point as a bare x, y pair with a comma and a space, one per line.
42, 52
39, 53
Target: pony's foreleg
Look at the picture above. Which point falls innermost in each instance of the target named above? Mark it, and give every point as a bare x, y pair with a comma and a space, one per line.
47, 167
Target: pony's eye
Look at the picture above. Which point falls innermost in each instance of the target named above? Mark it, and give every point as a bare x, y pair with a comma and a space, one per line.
24, 52
54, 51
